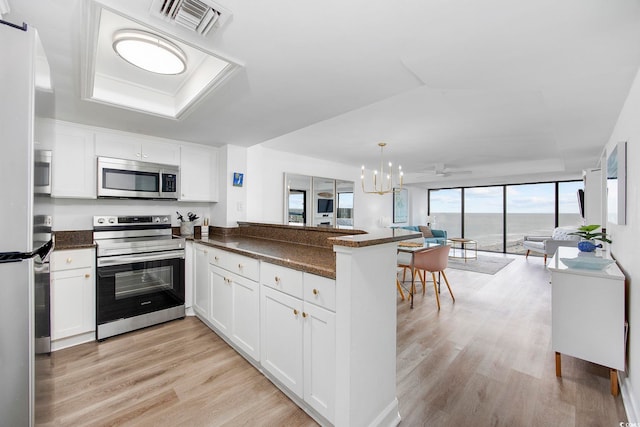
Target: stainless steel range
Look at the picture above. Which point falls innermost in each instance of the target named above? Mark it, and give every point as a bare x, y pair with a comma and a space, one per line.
140, 273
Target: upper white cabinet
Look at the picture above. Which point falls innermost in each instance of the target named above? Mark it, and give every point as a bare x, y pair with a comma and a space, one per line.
123, 146
73, 162
198, 174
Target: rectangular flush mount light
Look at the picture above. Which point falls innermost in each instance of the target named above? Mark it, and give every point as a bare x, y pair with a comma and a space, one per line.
133, 66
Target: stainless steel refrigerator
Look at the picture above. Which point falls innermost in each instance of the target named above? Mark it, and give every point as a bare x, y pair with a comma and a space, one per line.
22, 252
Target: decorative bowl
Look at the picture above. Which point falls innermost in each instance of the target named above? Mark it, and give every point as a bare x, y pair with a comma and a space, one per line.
588, 263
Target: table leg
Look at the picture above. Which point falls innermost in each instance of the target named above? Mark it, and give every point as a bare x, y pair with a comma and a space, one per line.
614, 382
558, 365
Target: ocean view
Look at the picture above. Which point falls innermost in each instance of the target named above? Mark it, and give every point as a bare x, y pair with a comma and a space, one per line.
487, 228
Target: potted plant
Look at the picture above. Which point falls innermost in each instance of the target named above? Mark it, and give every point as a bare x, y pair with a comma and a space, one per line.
589, 234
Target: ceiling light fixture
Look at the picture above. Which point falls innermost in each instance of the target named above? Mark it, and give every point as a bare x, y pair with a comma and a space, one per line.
385, 183
149, 51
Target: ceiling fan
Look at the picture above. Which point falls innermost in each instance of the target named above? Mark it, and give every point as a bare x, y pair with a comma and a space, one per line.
440, 169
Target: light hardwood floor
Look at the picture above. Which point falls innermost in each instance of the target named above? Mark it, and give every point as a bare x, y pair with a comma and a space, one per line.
485, 361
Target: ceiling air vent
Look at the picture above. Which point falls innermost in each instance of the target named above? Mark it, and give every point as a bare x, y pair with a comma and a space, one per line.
199, 16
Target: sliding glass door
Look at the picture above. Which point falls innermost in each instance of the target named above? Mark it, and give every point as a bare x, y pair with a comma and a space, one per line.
484, 217
498, 217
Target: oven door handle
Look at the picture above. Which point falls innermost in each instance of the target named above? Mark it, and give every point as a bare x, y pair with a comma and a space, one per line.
129, 259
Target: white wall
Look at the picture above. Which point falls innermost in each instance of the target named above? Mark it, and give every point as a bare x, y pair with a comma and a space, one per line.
265, 187
625, 246
232, 205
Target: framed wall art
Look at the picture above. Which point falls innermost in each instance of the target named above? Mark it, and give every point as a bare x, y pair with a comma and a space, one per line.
400, 205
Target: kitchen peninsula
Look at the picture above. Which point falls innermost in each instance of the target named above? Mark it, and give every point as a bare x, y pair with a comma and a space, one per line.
313, 308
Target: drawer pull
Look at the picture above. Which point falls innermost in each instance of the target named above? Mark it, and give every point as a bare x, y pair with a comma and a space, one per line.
216, 258
316, 292
240, 266
69, 260
87, 275
304, 314
277, 279
295, 312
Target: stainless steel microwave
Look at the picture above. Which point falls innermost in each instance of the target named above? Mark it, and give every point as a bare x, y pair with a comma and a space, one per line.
42, 172
133, 179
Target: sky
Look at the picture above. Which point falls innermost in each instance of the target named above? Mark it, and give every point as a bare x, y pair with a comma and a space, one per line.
525, 198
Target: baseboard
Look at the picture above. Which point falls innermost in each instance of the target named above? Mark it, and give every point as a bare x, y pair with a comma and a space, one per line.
629, 399
389, 417
74, 340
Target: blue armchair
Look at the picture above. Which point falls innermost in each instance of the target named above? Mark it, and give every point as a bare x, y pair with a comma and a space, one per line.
439, 236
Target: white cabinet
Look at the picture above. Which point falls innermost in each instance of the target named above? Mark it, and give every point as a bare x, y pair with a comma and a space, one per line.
221, 300
201, 288
588, 314
198, 174
123, 146
226, 296
281, 338
235, 308
73, 162
298, 337
319, 359
72, 293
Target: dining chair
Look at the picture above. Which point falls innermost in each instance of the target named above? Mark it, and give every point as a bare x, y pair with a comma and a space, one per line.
434, 260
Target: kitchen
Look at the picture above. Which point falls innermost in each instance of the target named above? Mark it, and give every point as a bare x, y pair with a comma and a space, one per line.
209, 192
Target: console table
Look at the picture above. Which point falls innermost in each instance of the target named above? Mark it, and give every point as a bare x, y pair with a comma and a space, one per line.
588, 314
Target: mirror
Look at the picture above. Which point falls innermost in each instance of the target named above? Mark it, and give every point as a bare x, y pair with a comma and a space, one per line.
317, 201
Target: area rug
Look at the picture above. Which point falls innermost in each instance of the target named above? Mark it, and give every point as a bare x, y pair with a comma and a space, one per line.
484, 264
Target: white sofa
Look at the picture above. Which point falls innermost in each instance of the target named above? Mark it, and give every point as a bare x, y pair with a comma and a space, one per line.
547, 245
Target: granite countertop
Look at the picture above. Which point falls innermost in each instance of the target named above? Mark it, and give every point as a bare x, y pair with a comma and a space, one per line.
81, 239
311, 259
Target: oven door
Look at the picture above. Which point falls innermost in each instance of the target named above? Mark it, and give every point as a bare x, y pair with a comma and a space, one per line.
131, 285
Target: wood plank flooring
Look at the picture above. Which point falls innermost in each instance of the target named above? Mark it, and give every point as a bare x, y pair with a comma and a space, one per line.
485, 360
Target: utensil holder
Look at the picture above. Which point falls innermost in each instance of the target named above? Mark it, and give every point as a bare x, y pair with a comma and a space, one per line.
186, 228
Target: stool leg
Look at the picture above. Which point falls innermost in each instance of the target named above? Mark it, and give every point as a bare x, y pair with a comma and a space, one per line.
400, 289
435, 288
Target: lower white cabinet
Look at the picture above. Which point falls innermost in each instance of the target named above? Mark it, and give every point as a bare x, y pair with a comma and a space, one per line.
298, 337
72, 293
319, 359
228, 302
221, 299
281, 333
201, 288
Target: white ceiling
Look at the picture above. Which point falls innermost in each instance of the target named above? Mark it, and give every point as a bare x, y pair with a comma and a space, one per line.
500, 88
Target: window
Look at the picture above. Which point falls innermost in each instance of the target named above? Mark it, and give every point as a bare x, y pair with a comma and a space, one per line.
498, 217
530, 212
484, 217
446, 208
568, 205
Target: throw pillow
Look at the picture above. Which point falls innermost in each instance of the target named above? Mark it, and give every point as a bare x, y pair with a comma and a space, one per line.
426, 231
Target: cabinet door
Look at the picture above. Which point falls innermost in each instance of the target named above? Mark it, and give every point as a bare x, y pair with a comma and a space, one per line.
246, 316
72, 302
201, 289
198, 174
73, 163
161, 152
221, 300
118, 146
320, 359
281, 338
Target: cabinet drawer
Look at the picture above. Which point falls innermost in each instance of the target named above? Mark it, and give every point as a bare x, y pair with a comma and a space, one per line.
320, 291
281, 278
238, 264
70, 259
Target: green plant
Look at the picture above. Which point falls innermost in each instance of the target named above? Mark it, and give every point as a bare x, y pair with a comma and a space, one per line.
587, 233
